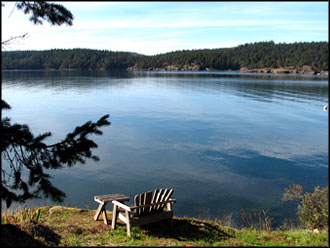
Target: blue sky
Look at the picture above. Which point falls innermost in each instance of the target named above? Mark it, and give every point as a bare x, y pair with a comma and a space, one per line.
158, 27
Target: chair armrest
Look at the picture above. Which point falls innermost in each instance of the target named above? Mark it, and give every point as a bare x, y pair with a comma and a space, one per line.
121, 205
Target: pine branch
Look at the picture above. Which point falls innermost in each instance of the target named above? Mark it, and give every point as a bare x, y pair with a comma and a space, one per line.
23, 151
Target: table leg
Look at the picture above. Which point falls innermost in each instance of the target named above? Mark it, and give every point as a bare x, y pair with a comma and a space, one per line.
98, 211
104, 214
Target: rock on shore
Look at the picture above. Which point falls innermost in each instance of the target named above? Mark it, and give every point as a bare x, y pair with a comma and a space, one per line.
289, 70
190, 67
195, 67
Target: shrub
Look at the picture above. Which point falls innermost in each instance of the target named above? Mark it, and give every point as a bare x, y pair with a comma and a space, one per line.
21, 215
313, 208
257, 219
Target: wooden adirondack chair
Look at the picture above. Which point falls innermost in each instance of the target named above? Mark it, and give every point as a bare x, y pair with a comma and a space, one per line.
148, 208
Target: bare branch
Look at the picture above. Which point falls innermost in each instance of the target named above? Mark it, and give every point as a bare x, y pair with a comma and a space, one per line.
12, 10
7, 42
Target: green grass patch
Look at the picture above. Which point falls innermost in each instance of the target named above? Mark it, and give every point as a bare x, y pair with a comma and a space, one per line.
63, 226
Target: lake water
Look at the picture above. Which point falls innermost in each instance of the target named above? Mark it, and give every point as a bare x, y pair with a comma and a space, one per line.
222, 140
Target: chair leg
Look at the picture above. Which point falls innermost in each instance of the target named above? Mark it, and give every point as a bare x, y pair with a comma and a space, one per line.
171, 223
128, 224
114, 216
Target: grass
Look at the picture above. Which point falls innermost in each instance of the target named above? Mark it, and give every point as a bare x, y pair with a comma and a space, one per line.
63, 226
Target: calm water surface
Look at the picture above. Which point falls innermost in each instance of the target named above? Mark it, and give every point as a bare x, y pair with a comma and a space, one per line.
223, 140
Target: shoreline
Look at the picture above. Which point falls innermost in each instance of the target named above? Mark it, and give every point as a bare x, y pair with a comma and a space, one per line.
306, 70
269, 71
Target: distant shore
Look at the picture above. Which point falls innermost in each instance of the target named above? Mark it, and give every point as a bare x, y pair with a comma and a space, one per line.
307, 70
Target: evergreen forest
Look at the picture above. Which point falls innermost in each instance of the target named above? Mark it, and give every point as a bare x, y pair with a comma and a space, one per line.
251, 55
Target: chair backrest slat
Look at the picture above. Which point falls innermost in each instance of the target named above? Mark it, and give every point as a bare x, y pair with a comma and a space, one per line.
161, 198
143, 199
154, 199
137, 203
158, 196
167, 194
147, 200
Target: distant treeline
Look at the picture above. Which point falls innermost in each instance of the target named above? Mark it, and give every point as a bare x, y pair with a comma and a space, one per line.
67, 59
254, 55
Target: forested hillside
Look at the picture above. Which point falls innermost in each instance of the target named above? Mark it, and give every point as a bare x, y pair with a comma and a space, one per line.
67, 59
254, 55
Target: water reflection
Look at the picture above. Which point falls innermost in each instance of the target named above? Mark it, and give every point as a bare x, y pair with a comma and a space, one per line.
61, 81
255, 86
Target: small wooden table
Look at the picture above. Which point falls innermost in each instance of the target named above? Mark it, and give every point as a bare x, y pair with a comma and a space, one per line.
103, 200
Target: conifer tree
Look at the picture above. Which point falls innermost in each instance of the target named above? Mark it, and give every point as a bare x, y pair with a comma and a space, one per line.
26, 157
